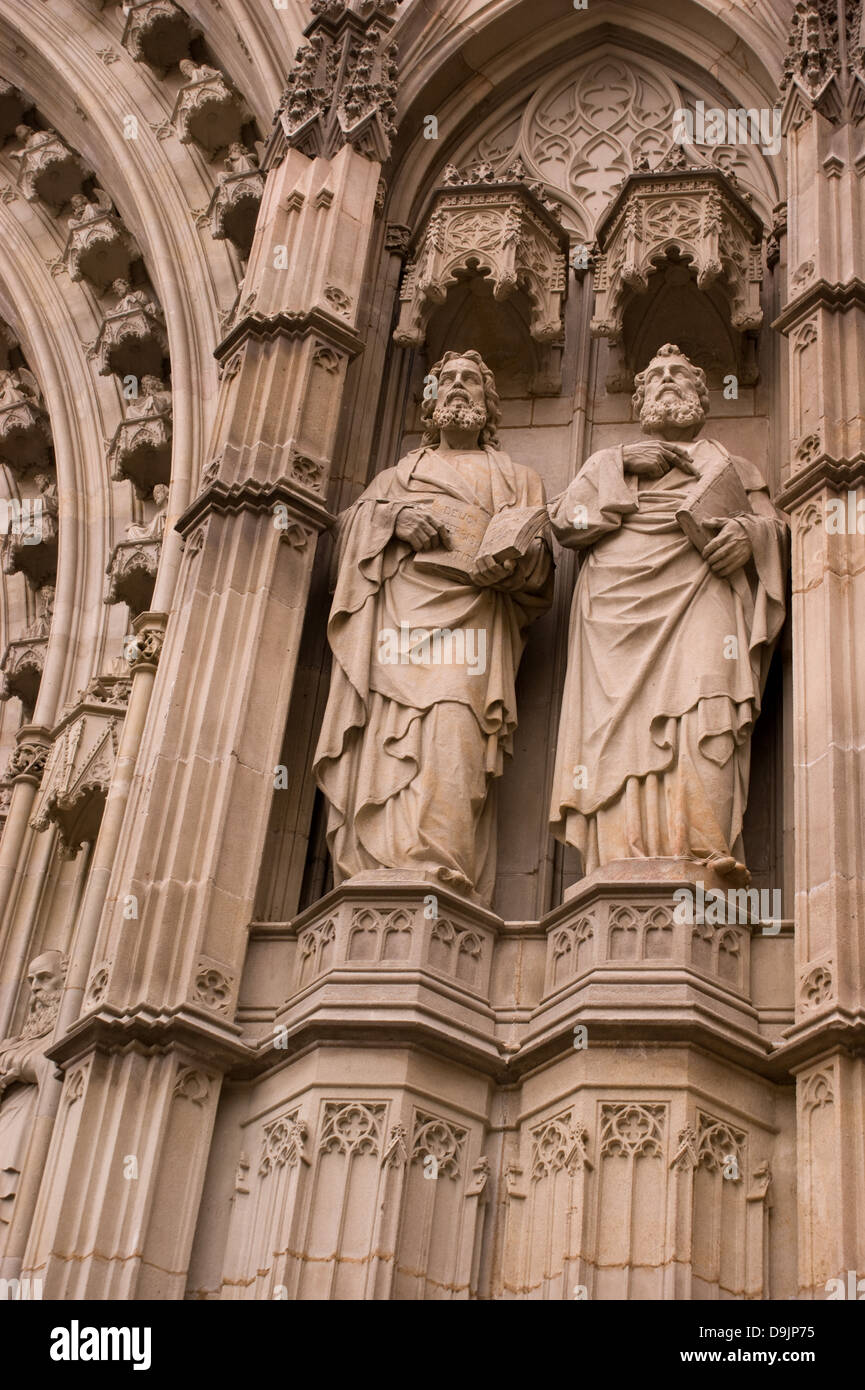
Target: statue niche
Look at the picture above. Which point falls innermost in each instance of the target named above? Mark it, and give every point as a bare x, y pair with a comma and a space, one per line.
442, 565
672, 631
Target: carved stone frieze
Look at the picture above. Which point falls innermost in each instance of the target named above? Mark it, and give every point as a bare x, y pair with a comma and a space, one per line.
342, 87
98, 246
159, 33
132, 340
233, 208
78, 773
690, 215
208, 109
48, 168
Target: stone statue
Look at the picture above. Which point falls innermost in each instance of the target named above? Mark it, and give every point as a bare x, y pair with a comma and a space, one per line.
130, 300
155, 398
41, 624
422, 706
21, 1064
197, 72
239, 160
18, 385
669, 647
151, 530
84, 211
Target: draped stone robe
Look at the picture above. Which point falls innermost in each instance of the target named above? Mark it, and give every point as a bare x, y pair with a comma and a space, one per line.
408, 752
653, 748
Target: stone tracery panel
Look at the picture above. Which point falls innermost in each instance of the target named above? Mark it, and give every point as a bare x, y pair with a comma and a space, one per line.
583, 131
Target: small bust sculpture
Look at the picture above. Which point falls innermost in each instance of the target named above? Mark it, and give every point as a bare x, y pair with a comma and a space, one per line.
129, 300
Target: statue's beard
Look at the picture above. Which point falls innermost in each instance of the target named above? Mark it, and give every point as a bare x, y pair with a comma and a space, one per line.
684, 413
460, 415
42, 1013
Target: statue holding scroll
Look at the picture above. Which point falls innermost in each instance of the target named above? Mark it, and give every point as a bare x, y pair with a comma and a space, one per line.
678, 604
442, 564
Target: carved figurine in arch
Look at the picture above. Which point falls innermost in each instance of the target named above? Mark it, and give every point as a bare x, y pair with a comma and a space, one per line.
154, 529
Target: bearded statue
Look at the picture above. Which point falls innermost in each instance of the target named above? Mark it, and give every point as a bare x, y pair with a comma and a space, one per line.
21, 1063
678, 604
427, 630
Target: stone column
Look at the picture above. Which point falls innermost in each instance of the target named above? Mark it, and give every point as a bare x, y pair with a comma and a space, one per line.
119, 1200
824, 491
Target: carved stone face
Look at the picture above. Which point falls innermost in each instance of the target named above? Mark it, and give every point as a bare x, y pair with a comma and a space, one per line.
461, 399
45, 976
671, 398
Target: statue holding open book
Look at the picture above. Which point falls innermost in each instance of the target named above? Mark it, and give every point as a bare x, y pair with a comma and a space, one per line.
678, 604
442, 564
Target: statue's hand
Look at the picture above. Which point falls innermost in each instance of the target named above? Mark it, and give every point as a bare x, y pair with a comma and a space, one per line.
652, 458
418, 527
489, 571
729, 550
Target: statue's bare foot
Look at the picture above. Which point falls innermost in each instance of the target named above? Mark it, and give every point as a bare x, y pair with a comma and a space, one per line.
728, 867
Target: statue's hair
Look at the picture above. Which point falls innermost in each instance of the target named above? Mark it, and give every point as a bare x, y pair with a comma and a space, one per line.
670, 350
488, 435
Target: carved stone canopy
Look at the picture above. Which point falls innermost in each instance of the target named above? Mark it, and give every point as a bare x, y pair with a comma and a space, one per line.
98, 247
159, 33
678, 214
132, 340
48, 168
140, 452
342, 88
132, 574
22, 666
31, 547
25, 430
208, 110
495, 228
233, 208
78, 772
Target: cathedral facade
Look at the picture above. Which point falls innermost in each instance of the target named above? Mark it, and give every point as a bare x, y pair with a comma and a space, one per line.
433, 534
